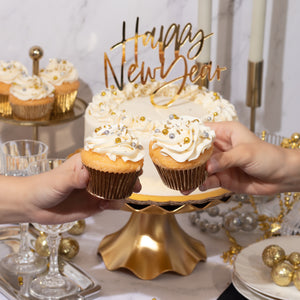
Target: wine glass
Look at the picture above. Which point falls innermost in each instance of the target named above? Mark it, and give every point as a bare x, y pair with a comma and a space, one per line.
16, 157
52, 285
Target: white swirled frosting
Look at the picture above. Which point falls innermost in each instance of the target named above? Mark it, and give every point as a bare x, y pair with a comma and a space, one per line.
59, 71
9, 70
132, 107
26, 87
115, 141
182, 138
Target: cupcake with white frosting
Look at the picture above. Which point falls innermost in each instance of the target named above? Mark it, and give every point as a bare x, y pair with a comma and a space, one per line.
179, 149
64, 77
9, 70
31, 98
114, 159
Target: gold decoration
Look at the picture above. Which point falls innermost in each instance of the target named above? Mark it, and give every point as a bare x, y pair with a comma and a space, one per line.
296, 279
294, 259
41, 245
78, 228
282, 274
272, 255
173, 36
68, 248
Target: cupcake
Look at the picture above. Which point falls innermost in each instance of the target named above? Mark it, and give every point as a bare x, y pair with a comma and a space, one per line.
9, 70
114, 159
31, 98
179, 149
64, 77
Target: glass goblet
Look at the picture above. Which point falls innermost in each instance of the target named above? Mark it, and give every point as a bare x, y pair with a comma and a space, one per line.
52, 285
16, 157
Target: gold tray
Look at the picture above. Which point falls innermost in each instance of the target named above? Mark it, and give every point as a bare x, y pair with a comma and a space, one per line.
9, 284
78, 110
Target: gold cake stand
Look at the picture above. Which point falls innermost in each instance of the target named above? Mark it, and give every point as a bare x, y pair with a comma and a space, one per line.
152, 242
77, 111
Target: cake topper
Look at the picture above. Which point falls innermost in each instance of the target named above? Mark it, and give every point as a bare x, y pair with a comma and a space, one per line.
161, 40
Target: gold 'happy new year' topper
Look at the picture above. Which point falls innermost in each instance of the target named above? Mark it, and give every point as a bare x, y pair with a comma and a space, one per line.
164, 40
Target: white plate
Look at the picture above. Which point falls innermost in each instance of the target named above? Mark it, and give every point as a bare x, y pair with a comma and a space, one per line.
251, 271
247, 292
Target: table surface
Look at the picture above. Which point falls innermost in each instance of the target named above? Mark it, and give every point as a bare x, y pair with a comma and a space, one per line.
208, 280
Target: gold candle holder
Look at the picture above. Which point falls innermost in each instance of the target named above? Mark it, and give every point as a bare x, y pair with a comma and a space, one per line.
202, 82
254, 89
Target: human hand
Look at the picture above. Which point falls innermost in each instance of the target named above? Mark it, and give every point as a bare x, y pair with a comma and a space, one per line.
243, 163
61, 196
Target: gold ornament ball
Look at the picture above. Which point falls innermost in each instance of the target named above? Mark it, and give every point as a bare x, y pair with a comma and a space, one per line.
285, 143
68, 248
41, 245
273, 255
282, 274
36, 52
294, 258
78, 228
295, 137
296, 279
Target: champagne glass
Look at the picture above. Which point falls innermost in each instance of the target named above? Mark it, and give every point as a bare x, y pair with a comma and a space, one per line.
52, 285
16, 157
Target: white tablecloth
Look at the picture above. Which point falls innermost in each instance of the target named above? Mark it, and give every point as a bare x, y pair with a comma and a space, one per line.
208, 280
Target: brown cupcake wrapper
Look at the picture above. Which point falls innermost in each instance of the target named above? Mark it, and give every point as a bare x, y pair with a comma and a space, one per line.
108, 185
32, 112
64, 103
5, 108
182, 180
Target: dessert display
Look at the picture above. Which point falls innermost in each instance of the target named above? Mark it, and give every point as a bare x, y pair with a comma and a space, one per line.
64, 77
114, 158
179, 149
9, 70
133, 107
31, 98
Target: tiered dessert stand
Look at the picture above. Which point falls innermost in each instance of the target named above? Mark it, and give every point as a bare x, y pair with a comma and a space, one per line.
36, 54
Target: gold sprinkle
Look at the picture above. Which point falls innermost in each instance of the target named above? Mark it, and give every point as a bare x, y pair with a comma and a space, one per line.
97, 129
165, 131
117, 140
64, 61
142, 118
136, 85
55, 77
112, 87
4, 69
114, 93
175, 117
103, 94
100, 104
216, 114
186, 140
112, 113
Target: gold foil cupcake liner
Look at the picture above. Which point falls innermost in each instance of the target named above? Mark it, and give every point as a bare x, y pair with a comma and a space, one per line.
64, 102
182, 180
32, 112
5, 108
108, 185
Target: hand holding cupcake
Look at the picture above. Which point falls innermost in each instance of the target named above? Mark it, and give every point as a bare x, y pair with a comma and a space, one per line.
114, 159
179, 149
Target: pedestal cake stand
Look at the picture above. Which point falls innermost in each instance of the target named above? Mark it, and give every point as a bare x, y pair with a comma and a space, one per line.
152, 242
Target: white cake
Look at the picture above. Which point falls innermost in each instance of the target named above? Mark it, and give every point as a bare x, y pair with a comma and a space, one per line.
132, 106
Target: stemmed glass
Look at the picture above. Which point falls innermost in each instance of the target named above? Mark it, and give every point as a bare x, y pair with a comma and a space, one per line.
16, 157
52, 285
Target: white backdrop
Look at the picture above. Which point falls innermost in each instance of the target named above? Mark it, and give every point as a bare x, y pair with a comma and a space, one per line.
81, 31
